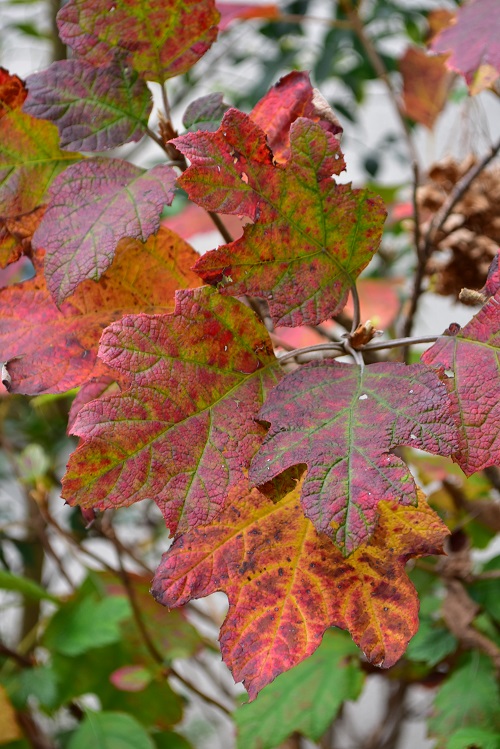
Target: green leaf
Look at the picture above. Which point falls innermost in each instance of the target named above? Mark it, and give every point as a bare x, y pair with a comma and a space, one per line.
170, 740
474, 738
469, 697
89, 624
486, 592
431, 644
110, 731
27, 588
305, 699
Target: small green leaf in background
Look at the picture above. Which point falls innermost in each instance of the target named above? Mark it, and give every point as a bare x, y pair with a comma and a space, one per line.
431, 643
110, 731
131, 678
469, 697
27, 588
486, 592
85, 625
474, 738
304, 699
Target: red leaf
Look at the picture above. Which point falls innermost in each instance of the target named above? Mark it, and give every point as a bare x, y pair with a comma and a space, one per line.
158, 38
185, 430
92, 206
12, 92
52, 350
286, 583
93, 108
472, 354
473, 43
311, 237
292, 97
344, 425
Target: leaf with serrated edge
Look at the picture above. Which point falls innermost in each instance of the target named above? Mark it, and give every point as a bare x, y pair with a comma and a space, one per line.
311, 237
305, 699
287, 584
92, 206
30, 159
51, 349
185, 430
158, 38
344, 425
93, 108
473, 355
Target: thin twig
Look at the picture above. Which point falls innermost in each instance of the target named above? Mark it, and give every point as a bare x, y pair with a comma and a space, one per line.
166, 105
157, 140
336, 349
394, 342
226, 234
25, 661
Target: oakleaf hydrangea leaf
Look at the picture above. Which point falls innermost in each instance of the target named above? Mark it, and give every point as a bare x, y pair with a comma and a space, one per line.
310, 238
93, 108
344, 425
51, 349
290, 98
473, 43
157, 38
287, 584
473, 356
185, 430
30, 159
92, 206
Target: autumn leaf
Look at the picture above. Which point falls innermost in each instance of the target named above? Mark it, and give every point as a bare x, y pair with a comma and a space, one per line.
205, 113
94, 205
473, 43
12, 92
426, 85
50, 349
157, 38
30, 159
287, 584
473, 356
291, 97
93, 108
311, 237
185, 430
344, 424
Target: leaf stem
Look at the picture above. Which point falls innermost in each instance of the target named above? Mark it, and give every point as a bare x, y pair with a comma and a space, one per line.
356, 316
226, 234
334, 350
166, 105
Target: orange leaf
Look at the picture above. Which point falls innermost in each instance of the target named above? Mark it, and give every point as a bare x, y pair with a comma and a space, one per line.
287, 584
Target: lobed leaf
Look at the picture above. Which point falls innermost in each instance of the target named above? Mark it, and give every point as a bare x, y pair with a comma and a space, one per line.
310, 238
473, 356
94, 205
30, 159
344, 424
185, 430
287, 584
473, 43
93, 108
157, 38
50, 349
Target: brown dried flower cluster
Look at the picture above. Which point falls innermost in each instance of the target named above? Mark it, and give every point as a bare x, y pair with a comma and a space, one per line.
464, 248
